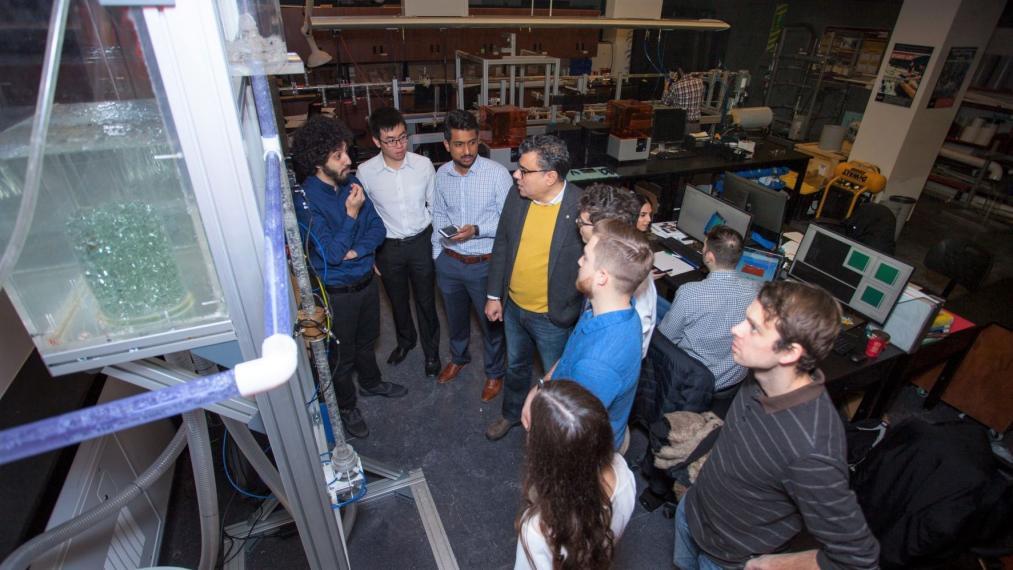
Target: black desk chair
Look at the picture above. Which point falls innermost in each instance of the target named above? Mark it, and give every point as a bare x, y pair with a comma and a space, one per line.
670, 381
963, 262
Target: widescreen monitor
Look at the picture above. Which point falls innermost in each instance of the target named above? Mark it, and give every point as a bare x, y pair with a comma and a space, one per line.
765, 205
867, 281
700, 212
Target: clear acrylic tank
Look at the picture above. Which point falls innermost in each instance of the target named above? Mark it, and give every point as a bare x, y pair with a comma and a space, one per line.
116, 260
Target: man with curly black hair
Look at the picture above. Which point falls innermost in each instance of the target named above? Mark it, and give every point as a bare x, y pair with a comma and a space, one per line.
343, 231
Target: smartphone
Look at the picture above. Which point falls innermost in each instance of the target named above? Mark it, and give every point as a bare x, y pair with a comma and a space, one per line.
450, 231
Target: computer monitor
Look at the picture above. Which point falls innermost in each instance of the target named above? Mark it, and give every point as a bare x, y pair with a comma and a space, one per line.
700, 212
765, 205
867, 281
669, 125
759, 265
568, 102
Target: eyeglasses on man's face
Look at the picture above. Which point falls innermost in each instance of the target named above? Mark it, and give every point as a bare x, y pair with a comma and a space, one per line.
582, 224
525, 171
395, 141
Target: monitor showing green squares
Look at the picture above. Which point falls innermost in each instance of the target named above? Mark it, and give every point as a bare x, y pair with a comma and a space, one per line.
872, 297
857, 261
887, 273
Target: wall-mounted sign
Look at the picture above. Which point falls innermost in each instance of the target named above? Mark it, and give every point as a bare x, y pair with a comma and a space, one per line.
955, 70
903, 74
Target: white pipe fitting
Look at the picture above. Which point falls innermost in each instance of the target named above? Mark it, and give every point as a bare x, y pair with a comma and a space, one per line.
278, 361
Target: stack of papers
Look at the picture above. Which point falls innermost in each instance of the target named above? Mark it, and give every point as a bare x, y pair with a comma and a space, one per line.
671, 263
669, 230
790, 246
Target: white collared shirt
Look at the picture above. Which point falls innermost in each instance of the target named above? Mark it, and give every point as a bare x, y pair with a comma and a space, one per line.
403, 197
554, 201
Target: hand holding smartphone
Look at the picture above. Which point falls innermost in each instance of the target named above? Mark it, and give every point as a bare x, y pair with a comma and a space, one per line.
450, 231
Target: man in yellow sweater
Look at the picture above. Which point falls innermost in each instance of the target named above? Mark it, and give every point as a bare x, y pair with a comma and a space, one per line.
533, 269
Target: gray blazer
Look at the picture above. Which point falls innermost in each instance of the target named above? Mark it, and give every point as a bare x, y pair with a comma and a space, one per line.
565, 301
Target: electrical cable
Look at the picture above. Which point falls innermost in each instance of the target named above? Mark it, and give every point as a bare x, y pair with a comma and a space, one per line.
362, 76
249, 535
660, 54
228, 476
320, 249
648, 55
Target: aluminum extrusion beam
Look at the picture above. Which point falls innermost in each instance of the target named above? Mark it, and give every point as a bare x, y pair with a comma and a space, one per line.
409, 22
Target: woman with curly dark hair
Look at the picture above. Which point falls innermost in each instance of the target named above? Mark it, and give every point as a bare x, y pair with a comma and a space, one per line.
578, 492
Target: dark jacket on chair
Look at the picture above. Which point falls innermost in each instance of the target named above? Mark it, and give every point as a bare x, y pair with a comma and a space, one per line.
565, 301
671, 381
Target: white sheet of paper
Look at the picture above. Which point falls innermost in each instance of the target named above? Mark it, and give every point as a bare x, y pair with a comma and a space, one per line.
683, 237
671, 264
794, 236
790, 249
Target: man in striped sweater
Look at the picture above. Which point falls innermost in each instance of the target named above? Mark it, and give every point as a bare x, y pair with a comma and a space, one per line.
779, 462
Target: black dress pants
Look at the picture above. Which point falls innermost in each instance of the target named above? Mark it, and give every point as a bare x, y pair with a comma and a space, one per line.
405, 263
355, 322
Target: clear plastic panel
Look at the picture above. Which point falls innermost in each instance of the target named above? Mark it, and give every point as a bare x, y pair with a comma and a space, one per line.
22, 46
117, 251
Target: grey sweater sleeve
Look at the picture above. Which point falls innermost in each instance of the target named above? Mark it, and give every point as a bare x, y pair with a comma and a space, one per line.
819, 486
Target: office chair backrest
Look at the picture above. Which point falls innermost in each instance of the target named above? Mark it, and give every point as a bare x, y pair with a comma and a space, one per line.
963, 262
873, 225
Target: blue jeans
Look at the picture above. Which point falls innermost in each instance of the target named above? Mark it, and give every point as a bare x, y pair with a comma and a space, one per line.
663, 307
463, 286
688, 555
526, 331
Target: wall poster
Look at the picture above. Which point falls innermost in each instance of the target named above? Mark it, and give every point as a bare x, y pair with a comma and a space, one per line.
955, 69
903, 74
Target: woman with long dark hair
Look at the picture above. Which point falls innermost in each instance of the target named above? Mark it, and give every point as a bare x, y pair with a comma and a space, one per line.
578, 492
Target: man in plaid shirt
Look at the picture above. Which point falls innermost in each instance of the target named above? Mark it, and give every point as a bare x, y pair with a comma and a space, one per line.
685, 91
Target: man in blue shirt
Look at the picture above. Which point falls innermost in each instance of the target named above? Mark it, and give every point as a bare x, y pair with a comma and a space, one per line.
470, 192
603, 352
343, 231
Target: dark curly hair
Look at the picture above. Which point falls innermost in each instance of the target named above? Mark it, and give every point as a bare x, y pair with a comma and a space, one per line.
315, 141
569, 446
803, 314
605, 202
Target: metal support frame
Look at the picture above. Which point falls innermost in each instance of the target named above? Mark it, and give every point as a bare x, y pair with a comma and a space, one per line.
201, 99
552, 73
187, 45
155, 374
411, 484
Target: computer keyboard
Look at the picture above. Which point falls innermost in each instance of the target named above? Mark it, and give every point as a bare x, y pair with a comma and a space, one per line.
673, 153
686, 252
844, 343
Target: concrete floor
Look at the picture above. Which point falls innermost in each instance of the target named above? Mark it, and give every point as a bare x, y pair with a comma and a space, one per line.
474, 482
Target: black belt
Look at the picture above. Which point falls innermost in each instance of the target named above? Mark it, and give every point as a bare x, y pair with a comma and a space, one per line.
354, 287
423, 233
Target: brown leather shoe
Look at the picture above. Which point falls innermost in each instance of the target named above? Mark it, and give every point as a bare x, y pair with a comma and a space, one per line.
493, 386
499, 428
449, 372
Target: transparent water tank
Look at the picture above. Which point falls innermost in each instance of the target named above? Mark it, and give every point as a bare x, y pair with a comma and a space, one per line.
116, 263
254, 36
